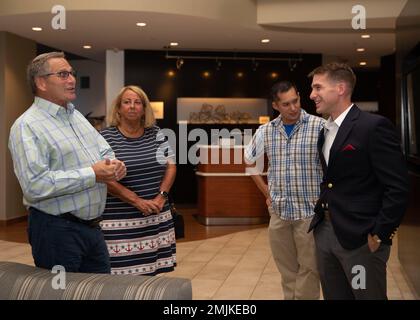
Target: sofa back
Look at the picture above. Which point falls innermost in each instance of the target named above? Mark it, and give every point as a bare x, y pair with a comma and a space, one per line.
23, 282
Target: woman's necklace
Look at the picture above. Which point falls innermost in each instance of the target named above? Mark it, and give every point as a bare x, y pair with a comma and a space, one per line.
134, 133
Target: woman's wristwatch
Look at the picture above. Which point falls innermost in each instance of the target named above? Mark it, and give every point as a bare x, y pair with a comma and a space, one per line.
164, 194
376, 238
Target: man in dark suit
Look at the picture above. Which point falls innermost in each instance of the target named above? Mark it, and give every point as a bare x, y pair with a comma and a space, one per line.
364, 190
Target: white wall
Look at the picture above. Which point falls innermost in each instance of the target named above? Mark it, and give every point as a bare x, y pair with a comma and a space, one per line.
308, 13
239, 11
92, 99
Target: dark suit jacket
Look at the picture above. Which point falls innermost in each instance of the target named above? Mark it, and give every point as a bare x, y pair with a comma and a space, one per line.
365, 186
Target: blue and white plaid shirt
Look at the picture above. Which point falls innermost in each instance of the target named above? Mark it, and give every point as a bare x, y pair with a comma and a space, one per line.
294, 169
53, 150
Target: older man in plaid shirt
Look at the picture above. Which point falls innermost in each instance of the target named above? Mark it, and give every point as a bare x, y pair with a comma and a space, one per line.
62, 164
294, 175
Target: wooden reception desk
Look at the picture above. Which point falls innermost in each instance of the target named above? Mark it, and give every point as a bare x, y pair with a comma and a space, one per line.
227, 195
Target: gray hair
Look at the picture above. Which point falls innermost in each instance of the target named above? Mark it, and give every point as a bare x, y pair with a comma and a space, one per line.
39, 66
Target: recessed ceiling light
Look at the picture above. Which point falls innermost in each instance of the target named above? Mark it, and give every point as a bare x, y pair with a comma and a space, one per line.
363, 63
141, 24
365, 36
36, 29
360, 49
265, 40
87, 47
173, 44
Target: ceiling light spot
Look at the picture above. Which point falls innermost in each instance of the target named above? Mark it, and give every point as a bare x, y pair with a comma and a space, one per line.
265, 40
360, 49
362, 63
87, 46
365, 36
36, 28
173, 44
141, 24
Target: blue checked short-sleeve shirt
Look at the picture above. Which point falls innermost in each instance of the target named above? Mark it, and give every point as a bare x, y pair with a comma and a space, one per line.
294, 169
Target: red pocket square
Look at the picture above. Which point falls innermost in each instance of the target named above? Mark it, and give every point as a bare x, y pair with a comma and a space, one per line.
348, 147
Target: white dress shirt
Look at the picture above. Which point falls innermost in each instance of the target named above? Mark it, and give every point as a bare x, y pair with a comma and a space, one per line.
330, 131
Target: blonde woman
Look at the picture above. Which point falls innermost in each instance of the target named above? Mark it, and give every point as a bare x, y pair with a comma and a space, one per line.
138, 225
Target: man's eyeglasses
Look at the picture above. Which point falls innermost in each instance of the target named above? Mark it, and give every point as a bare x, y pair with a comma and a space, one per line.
62, 74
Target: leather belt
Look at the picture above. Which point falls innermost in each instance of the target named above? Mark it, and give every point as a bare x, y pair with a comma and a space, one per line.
93, 223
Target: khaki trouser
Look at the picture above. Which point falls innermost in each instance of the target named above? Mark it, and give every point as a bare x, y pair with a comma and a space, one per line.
293, 251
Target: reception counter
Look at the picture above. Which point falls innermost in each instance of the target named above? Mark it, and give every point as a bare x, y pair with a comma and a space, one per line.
227, 195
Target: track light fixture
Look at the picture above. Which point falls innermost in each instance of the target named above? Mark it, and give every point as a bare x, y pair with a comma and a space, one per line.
292, 65
218, 65
255, 60
179, 63
254, 65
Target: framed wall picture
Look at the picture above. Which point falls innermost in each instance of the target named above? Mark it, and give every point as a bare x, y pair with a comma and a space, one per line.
158, 108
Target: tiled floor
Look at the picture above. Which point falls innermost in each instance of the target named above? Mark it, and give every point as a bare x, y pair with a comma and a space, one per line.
240, 266
233, 266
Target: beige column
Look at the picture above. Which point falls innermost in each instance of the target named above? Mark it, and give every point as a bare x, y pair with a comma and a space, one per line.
15, 98
114, 77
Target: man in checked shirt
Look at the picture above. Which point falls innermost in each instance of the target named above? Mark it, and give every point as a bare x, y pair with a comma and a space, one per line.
294, 174
62, 164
